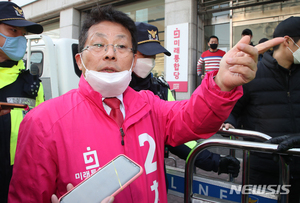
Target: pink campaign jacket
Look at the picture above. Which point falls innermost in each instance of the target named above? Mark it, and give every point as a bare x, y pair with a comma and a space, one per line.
59, 138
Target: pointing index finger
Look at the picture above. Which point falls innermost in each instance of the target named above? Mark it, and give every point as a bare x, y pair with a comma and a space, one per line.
261, 48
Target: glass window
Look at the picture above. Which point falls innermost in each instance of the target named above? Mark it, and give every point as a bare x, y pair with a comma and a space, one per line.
217, 23
36, 63
273, 8
263, 19
222, 31
259, 31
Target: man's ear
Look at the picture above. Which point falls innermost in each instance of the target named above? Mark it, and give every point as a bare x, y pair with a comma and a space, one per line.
134, 61
287, 40
78, 60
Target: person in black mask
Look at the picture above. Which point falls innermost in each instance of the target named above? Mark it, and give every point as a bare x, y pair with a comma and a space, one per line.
210, 58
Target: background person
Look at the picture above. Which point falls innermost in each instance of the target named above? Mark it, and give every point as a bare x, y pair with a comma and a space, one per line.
247, 32
210, 58
148, 47
271, 104
15, 84
59, 138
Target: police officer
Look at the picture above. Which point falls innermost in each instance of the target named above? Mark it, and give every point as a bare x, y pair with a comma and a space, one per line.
17, 85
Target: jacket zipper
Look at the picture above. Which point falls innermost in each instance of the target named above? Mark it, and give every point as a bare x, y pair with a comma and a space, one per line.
122, 134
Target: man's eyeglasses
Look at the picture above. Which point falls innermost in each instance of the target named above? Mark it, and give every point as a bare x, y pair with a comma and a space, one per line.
101, 49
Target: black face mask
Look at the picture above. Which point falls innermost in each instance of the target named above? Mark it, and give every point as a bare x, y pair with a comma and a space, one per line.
213, 46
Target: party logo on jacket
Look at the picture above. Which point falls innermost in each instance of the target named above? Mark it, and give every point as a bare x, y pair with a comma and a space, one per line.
91, 159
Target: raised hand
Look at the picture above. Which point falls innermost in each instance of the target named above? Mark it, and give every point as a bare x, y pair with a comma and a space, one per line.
239, 65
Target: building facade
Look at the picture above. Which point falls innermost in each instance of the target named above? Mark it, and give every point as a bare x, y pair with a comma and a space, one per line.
201, 18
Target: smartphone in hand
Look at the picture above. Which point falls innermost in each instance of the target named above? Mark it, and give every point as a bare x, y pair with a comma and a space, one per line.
107, 181
5, 105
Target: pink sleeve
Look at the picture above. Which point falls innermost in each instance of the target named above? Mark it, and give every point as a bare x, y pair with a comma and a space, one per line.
30, 177
202, 115
212, 86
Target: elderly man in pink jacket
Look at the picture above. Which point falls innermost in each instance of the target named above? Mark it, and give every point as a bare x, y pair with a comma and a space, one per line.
66, 139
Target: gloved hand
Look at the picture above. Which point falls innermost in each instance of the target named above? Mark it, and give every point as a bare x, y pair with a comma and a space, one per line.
286, 142
229, 164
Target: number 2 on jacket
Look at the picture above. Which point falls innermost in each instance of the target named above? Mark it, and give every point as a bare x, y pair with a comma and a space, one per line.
149, 165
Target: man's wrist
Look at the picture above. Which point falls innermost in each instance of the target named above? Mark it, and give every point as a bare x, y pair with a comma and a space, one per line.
212, 85
220, 84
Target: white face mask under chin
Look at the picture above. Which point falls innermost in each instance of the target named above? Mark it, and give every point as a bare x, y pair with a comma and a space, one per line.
296, 54
108, 84
144, 66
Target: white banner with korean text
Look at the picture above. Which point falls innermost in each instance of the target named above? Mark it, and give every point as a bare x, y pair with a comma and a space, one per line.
177, 63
